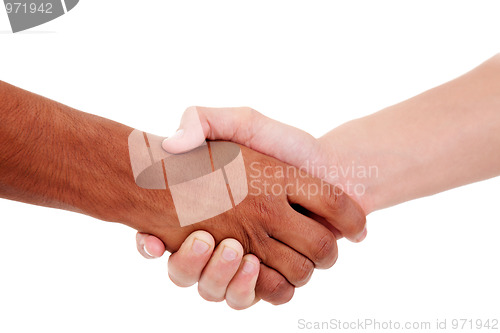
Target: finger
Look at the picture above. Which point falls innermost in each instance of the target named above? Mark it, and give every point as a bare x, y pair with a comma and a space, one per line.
328, 201
240, 293
150, 247
324, 222
317, 218
220, 270
272, 287
307, 237
296, 268
189, 135
245, 126
186, 265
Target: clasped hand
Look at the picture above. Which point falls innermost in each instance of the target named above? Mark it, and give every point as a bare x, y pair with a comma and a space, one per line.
272, 241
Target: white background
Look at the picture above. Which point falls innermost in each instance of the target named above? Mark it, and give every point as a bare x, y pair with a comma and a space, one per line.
311, 64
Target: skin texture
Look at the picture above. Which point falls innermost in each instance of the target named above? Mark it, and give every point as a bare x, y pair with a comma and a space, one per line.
55, 156
443, 138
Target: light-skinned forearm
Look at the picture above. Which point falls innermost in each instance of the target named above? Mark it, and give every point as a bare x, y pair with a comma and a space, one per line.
441, 139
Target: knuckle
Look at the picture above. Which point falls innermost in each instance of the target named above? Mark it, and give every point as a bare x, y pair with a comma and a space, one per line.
280, 292
259, 245
303, 272
250, 111
266, 209
334, 198
325, 249
279, 288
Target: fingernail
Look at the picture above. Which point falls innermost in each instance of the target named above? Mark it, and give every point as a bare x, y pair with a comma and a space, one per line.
229, 254
146, 251
200, 247
177, 135
248, 267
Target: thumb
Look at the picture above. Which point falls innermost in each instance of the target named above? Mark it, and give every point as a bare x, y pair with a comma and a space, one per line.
189, 135
245, 126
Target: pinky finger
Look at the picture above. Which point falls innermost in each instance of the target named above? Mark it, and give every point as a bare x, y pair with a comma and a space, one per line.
240, 293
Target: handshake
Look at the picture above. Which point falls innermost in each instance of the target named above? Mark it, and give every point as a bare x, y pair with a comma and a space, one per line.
250, 213
282, 221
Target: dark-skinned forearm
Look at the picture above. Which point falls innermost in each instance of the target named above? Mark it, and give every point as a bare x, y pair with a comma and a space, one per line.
55, 156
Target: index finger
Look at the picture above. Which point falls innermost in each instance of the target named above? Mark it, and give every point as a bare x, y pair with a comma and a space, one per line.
328, 201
